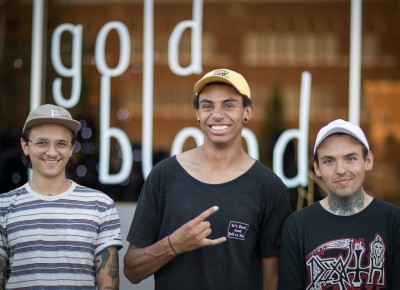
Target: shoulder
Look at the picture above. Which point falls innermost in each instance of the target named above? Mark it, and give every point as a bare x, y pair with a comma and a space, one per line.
386, 207
16, 191
166, 162
12, 199
88, 194
266, 175
387, 204
13, 194
166, 165
306, 214
265, 171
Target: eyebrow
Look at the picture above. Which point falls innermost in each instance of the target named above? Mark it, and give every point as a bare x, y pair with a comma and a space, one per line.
47, 139
352, 154
346, 156
224, 101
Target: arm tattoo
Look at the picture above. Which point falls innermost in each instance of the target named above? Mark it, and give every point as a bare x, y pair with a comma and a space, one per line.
3, 272
101, 259
113, 270
107, 265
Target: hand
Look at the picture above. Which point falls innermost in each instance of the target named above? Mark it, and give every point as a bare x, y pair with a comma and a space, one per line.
194, 233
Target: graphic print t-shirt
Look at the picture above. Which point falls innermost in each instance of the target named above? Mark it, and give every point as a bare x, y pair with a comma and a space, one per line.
322, 251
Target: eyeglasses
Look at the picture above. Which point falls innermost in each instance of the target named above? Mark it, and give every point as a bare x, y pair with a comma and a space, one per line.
43, 144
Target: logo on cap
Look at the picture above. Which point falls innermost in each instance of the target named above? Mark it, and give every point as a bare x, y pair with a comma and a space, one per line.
54, 113
222, 73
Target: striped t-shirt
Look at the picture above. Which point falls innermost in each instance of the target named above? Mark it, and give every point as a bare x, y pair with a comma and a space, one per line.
51, 241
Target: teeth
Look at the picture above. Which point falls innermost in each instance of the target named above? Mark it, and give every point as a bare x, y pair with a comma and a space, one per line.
222, 127
51, 161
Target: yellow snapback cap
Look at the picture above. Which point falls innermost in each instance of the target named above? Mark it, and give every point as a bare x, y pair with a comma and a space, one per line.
226, 76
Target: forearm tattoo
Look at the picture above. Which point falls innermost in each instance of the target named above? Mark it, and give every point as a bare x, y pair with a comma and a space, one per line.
101, 259
113, 268
106, 263
3, 272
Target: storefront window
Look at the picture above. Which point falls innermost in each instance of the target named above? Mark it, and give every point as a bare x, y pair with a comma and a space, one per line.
96, 60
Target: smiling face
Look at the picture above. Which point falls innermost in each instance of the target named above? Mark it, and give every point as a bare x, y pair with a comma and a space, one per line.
48, 162
341, 164
221, 113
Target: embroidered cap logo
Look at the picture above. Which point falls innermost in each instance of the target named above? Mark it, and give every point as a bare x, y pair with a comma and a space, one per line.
222, 73
54, 113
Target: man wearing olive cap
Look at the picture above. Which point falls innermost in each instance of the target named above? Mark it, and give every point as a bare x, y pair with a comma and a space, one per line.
54, 233
350, 239
210, 218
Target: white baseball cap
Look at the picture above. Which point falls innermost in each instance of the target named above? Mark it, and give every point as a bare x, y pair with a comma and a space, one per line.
340, 126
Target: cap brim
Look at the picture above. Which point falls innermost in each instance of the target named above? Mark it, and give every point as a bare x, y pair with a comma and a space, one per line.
212, 79
70, 124
338, 130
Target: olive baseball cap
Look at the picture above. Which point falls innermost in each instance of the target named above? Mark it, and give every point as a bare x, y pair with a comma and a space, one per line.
226, 76
340, 126
51, 114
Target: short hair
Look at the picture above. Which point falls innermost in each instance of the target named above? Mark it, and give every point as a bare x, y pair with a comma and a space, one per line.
246, 100
363, 148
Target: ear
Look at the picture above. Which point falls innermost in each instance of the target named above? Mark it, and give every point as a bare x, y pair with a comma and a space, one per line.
248, 112
197, 115
316, 169
369, 161
24, 146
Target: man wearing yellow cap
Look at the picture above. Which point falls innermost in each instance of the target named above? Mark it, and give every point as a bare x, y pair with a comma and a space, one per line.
210, 218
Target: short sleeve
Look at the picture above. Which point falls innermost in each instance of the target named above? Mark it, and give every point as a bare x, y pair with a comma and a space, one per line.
291, 264
276, 211
109, 229
4, 246
144, 229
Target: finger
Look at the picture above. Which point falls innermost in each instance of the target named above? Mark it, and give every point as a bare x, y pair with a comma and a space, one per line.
205, 214
204, 234
214, 242
204, 225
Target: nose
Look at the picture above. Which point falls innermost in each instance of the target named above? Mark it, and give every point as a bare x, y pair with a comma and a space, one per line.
341, 169
217, 113
51, 150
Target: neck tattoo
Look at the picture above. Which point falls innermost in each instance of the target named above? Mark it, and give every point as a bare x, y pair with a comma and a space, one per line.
345, 206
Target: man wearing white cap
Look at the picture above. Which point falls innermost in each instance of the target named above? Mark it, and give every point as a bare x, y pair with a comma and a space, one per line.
350, 239
210, 218
54, 233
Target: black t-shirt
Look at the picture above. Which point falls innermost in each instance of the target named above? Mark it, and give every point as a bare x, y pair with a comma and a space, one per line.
252, 209
321, 250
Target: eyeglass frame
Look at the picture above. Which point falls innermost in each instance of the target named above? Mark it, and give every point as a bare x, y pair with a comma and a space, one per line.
46, 147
